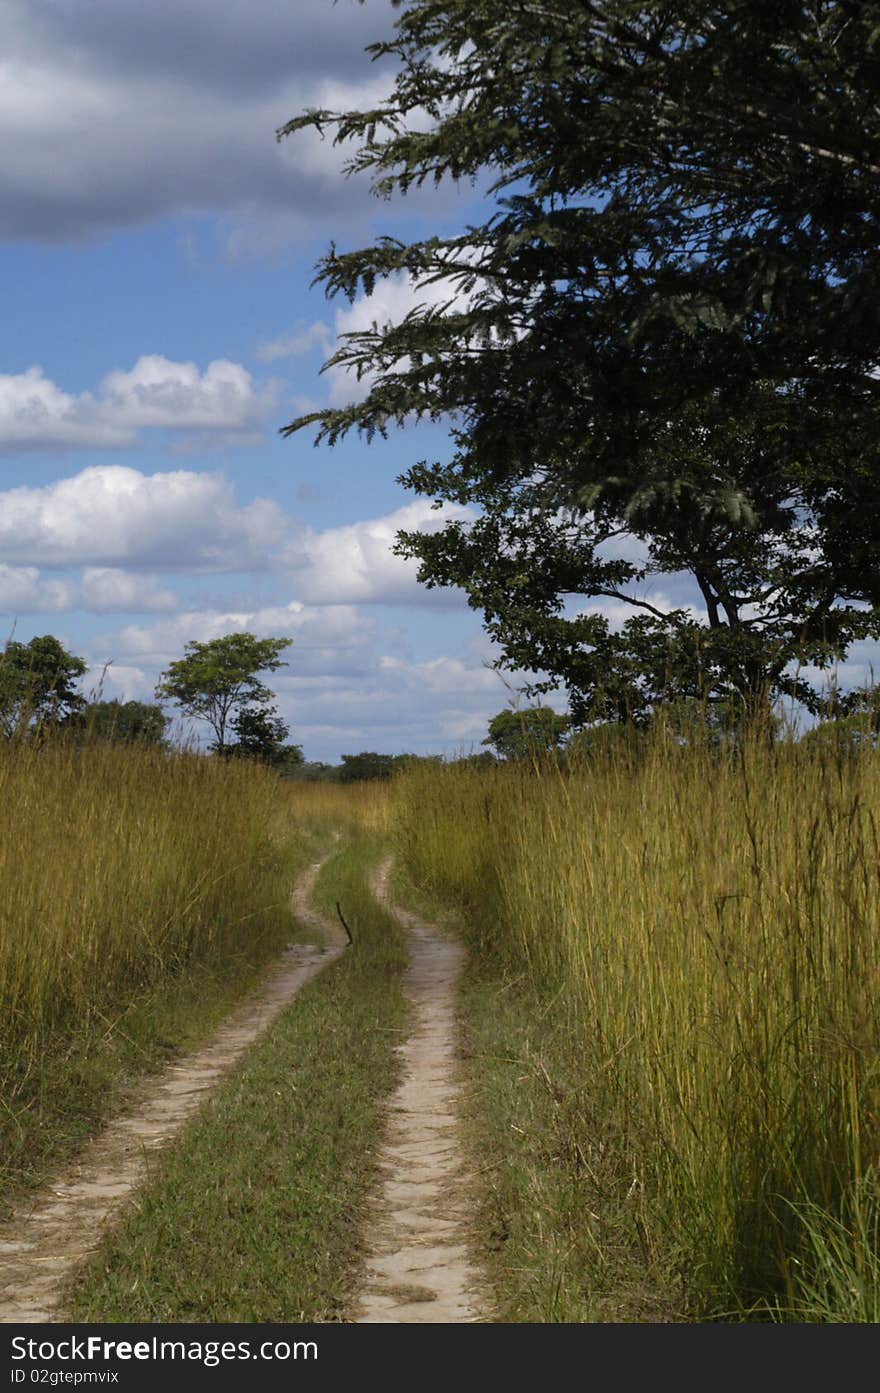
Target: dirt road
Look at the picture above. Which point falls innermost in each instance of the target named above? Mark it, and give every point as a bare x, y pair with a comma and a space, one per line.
41, 1246
419, 1266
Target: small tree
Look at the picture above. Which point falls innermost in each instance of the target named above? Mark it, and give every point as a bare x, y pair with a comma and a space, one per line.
217, 680
536, 731
262, 736
37, 685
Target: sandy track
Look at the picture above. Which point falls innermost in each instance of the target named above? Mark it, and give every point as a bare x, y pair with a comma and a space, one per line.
42, 1244
419, 1267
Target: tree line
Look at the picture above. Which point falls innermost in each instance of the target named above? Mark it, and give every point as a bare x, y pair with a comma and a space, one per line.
216, 682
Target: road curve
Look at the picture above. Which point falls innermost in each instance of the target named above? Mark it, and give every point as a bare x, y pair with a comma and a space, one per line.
62, 1223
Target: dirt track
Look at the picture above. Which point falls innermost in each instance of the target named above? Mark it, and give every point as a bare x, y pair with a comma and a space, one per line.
419, 1267
42, 1244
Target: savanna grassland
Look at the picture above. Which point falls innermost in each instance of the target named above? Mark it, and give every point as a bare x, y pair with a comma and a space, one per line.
669, 1019
672, 1015
140, 893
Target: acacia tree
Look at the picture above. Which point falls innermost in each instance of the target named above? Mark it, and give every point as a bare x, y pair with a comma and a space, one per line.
683, 240
686, 199
217, 680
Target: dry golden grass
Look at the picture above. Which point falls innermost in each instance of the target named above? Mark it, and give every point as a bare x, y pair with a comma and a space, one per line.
118, 865
708, 929
141, 893
355, 807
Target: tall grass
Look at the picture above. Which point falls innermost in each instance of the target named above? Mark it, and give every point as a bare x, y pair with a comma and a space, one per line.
356, 808
707, 927
118, 865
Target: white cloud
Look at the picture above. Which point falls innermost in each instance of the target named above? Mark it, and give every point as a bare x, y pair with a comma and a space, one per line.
104, 588
113, 681
442, 705
35, 413
617, 612
98, 590
354, 564
157, 392
344, 688
625, 548
112, 515
330, 640
390, 302
116, 114
301, 340
861, 669
23, 591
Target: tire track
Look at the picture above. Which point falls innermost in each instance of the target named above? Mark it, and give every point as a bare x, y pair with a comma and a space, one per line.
66, 1220
419, 1267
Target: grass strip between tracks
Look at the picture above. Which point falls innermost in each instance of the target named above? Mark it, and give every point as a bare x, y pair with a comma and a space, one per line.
252, 1215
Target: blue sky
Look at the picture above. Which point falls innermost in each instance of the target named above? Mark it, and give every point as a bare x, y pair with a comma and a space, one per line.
158, 329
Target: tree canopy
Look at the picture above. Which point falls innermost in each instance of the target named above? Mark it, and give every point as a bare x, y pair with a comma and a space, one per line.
37, 685
662, 338
262, 736
685, 200
771, 606
217, 681
366, 765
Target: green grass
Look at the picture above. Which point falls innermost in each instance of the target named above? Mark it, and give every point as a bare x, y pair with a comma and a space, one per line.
252, 1214
563, 1237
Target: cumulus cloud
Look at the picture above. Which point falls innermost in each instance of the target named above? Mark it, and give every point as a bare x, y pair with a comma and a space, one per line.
342, 691
104, 588
37, 414
332, 640
98, 590
617, 612
116, 114
442, 705
115, 681
116, 520
112, 516
861, 669
355, 564
157, 392
24, 591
